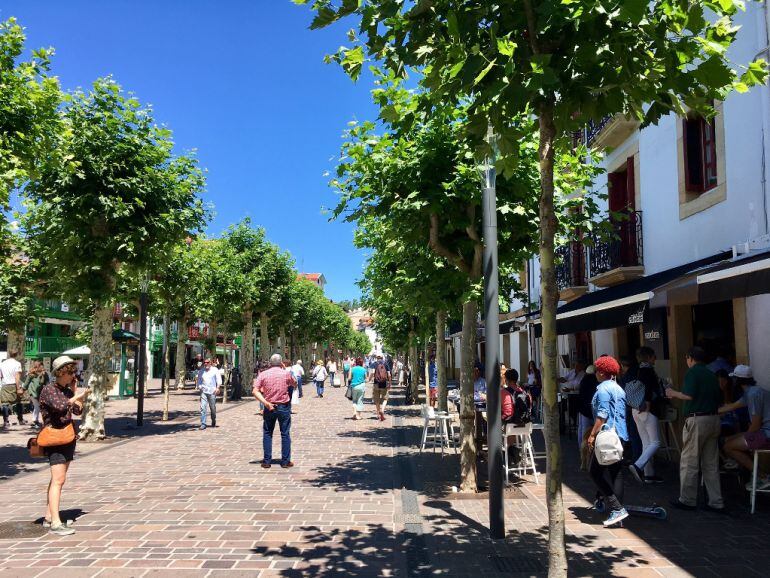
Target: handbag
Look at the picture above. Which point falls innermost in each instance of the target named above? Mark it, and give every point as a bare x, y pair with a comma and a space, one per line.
50, 436
608, 447
35, 451
295, 396
635, 394
349, 393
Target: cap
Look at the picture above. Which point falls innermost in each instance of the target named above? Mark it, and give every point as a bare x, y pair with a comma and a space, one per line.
61, 361
590, 370
742, 371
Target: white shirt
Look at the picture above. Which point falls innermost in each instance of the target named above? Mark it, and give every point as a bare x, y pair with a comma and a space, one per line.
479, 387
573, 380
208, 380
9, 368
297, 370
331, 367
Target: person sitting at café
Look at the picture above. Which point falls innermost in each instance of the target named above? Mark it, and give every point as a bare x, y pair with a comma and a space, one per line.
479, 385
515, 403
572, 381
740, 446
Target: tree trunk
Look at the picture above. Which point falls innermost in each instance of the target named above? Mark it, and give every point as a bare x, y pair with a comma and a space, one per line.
164, 373
17, 342
264, 339
225, 362
468, 480
247, 347
441, 360
181, 350
426, 369
557, 555
282, 337
415, 375
92, 424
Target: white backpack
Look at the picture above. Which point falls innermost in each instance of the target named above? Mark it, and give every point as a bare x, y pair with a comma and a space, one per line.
608, 447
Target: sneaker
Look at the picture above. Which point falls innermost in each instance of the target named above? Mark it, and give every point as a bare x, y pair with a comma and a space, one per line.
653, 480
762, 484
637, 473
47, 523
730, 464
616, 516
61, 530
203, 426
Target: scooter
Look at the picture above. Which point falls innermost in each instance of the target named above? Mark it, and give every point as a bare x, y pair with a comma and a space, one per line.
653, 511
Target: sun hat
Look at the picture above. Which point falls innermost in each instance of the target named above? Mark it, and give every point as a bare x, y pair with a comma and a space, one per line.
743, 371
61, 361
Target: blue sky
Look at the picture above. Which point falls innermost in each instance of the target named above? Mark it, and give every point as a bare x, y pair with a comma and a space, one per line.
244, 83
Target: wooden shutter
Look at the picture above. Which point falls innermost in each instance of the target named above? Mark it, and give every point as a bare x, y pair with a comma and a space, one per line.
630, 184
617, 191
709, 154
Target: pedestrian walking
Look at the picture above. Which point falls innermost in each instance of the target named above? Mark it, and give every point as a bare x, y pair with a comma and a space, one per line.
299, 373
346, 370
11, 390
646, 416
58, 401
609, 408
319, 377
208, 385
358, 387
382, 380
36, 379
271, 389
331, 368
700, 437
433, 381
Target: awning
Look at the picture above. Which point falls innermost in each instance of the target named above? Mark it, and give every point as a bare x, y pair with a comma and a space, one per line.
124, 336
624, 304
743, 277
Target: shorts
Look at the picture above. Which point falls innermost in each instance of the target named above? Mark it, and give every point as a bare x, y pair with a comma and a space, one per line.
61, 454
433, 392
757, 440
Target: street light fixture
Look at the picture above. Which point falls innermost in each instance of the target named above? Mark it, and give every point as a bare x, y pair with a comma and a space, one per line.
492, 344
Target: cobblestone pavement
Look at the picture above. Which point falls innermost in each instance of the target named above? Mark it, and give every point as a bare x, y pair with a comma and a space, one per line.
361, 501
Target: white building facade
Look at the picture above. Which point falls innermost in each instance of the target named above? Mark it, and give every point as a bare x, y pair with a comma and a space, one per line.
690, 265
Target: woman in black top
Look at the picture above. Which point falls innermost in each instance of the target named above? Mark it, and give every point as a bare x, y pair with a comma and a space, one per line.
58, 401
646, 417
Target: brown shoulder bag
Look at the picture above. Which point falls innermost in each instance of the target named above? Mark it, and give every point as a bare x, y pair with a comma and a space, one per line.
50, 436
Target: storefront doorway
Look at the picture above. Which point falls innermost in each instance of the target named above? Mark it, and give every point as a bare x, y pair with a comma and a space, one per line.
713, 329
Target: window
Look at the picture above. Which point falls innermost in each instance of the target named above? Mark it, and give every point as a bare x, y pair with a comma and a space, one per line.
700, 154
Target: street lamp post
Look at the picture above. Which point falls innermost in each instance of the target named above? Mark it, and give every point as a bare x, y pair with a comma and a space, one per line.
142, 350
492, 348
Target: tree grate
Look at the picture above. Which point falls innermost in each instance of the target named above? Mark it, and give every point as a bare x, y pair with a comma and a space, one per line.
516, 564
15, 530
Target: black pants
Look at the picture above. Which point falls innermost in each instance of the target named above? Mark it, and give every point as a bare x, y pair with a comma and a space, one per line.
609, 480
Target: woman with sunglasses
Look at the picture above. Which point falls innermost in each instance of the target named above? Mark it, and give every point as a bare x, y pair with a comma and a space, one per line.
58, 401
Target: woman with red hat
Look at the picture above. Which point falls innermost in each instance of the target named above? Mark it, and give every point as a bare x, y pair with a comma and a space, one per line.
609, 409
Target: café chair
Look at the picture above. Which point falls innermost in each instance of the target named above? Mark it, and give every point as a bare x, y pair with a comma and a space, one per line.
520, 437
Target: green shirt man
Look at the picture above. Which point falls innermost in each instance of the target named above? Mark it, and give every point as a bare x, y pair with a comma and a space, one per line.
702, 386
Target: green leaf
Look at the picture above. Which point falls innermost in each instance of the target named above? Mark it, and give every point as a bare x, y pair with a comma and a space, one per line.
480, 76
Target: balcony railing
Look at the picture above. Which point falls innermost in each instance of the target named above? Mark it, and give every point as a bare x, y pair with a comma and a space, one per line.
623, 249
49, 346
571, 272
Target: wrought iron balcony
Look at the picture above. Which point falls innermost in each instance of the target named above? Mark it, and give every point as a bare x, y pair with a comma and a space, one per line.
623, 250
571, 271
609, 131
